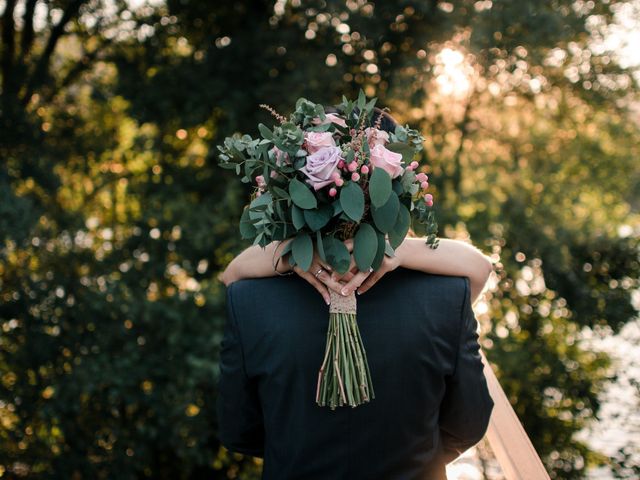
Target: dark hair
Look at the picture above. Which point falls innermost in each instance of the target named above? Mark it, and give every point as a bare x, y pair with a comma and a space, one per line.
388, 123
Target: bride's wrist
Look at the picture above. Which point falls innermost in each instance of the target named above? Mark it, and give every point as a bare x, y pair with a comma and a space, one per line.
281, 262
401, 252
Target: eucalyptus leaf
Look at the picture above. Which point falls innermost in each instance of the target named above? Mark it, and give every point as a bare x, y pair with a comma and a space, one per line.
379, 187
297, 217
407, 151
280, 192
318, 217
320, 246
385, 216
388, 250
302, 250
337, 254
365, 246
301, 195
352, 201
247, 230
401, 227
377, 261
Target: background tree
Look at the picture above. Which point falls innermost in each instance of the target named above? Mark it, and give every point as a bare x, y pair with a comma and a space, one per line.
116, 219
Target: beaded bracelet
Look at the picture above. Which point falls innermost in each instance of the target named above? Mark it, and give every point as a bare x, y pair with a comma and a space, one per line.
277, 262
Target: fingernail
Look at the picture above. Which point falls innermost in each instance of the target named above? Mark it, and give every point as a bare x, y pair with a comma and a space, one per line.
358, 292
327, 300
344, 291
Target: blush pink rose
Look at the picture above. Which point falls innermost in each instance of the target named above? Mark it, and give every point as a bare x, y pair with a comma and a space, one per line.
389, 161
321, 166
376, 137
333, 118
314, 141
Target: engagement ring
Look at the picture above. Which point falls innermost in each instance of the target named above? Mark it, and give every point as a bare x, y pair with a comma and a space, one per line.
319, 272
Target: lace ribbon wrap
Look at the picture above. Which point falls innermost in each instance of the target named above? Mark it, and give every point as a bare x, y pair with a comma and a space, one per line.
342, 304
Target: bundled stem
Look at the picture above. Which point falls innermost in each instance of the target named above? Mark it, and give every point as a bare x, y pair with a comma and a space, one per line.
344, 377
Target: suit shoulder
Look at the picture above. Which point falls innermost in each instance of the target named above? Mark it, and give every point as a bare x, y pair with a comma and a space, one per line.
454, 286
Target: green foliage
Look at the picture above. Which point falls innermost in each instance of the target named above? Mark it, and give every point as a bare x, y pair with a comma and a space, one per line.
379, 187
115, 218
352, 201
365, 246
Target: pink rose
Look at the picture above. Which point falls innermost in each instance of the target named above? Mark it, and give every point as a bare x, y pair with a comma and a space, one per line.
376, 137
314, 141
331, 117
389, 161
321, 166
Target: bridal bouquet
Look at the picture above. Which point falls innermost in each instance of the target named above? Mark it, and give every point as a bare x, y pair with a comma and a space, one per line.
321, 178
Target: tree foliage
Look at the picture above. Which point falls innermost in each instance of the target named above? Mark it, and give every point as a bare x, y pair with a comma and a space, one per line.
116, 219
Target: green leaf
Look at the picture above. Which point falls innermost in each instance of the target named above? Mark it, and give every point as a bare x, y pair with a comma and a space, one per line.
385, 216
337, 254
302, 250
280, 192
352, 201
301, 195
320, 246
319, 128
259, 205
365, 246
379, 187
247, 230
362, 100
388, 250
401, 227
297, 216
318, 217
396, 186
286, 249
377, 261
264, 130
407, 151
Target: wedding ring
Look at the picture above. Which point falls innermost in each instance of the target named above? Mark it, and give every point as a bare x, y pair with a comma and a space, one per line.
319, 272
370, 269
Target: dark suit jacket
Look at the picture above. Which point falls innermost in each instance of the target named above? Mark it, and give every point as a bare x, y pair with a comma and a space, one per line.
431, 399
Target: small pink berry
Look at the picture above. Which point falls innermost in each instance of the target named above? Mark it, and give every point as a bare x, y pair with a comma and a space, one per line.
273, 174
424, 185
422, 177
333, 192
408, 168
355, 176
428, 198
341, 164
414, 165
339, 182
260, 181
353, 166
336, 176
364, 169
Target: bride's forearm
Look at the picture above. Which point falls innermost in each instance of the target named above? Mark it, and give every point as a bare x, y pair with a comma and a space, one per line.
452, 257
255, 262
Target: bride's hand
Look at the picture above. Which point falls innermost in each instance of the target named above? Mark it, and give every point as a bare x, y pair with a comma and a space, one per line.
319, 276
